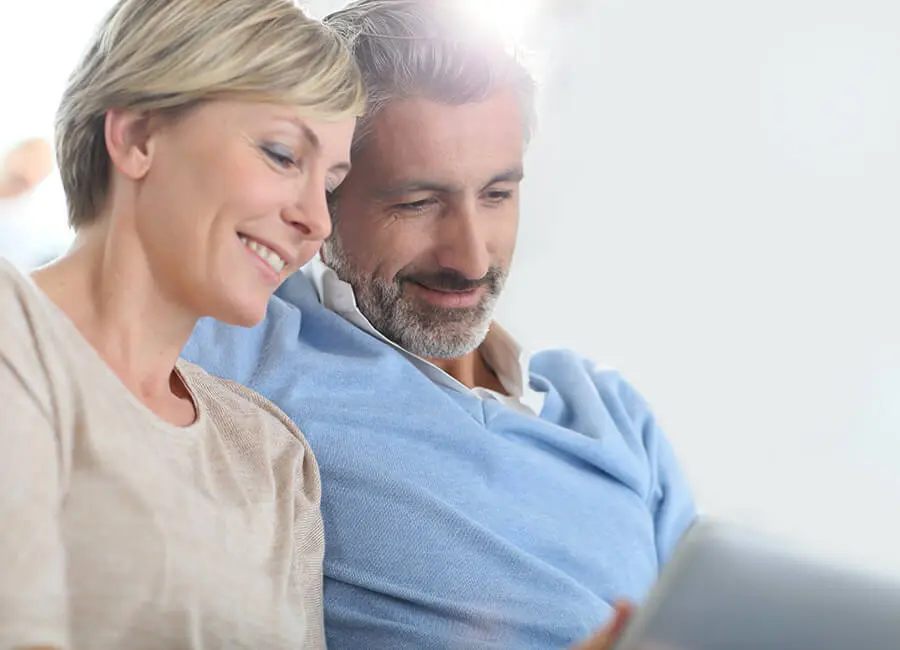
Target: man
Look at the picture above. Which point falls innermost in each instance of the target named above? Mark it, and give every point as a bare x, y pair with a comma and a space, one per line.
473, 498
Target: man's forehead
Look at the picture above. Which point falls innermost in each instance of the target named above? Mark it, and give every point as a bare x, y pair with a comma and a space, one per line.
414, 137
499, 112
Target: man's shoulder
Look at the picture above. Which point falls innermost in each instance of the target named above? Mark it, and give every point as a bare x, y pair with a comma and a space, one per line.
236, 352
585, 385
599, 402
294, 296
281, 318
567, 363
295, 324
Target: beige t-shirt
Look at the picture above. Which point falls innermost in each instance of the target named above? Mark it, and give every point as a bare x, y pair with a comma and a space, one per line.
121, 531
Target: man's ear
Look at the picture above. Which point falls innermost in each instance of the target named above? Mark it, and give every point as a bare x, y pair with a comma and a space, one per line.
129, 142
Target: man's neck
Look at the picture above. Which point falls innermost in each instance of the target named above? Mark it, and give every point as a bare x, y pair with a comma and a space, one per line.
471, 371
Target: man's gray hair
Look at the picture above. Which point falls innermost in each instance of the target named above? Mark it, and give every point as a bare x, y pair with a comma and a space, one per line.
431, 49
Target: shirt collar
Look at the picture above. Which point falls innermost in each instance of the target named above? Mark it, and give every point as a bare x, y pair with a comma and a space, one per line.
500, 351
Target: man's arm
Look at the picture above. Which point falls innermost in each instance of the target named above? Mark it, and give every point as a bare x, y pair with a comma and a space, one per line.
673, 504
669, 497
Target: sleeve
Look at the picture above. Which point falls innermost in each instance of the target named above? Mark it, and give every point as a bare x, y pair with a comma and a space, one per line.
672, 501
670, 497
33, 594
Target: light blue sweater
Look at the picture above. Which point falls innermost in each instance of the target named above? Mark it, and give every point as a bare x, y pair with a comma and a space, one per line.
452, 522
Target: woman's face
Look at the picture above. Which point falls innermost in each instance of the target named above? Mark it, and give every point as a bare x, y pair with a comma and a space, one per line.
232, 200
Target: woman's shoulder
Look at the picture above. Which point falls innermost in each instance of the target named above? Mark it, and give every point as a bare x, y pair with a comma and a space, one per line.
20, 305
28, 346
229, 400
14, 283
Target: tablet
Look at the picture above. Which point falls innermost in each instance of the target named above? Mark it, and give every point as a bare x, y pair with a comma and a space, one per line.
728, 589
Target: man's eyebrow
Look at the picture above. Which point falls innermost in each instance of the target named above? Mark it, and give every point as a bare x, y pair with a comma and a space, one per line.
511, 175
416, 185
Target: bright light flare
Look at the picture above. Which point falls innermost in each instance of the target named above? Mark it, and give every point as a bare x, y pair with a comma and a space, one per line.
512, 19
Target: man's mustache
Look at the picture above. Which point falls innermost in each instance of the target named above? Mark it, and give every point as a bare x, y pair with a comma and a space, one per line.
450, 280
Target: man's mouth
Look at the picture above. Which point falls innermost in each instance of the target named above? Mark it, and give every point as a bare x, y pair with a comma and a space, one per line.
449, 298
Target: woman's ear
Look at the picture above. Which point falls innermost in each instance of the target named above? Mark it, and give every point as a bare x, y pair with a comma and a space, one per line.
128, 142
24, 167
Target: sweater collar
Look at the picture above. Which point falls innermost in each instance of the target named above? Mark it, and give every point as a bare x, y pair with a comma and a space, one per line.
500, 351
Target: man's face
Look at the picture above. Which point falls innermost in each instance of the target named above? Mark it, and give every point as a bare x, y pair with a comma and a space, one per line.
426, 221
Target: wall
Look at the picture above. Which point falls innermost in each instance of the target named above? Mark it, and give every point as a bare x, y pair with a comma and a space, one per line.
39, 45
711, 206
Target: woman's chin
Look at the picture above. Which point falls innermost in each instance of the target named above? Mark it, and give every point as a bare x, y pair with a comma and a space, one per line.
242, 315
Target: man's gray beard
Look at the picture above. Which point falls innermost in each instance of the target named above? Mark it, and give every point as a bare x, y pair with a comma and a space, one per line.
418, 327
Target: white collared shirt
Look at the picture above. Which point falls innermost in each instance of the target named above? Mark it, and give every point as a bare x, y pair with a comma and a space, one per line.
506, 358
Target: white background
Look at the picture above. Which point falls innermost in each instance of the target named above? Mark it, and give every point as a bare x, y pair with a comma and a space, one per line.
711, 207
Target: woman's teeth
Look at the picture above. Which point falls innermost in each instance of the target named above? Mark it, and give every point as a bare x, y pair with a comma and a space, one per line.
271, 257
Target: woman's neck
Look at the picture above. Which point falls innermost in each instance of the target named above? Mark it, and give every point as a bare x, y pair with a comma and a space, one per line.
104, 284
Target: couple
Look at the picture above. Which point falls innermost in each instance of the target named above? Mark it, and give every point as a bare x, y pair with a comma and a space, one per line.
471, 497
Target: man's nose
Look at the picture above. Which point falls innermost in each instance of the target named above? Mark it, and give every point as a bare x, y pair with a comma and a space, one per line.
462, 244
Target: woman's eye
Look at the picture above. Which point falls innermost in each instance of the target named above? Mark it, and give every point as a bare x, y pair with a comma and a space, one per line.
280, 157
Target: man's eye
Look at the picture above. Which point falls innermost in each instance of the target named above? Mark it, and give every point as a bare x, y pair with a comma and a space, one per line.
415, 206
498, 196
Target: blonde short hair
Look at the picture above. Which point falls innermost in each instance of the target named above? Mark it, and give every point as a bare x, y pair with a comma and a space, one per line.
170, 55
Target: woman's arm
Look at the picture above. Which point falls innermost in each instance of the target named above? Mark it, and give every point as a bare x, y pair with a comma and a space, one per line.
33, 595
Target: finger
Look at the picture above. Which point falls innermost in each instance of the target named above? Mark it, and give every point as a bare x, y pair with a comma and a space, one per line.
622, 613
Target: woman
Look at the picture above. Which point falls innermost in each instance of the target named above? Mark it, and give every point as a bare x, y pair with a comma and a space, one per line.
145, 504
